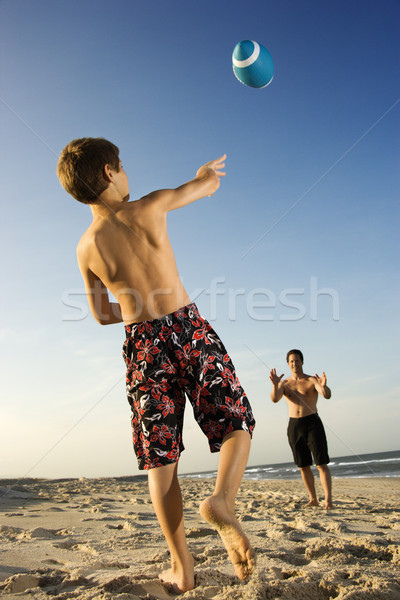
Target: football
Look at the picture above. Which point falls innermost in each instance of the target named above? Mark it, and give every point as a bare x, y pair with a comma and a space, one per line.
252, 64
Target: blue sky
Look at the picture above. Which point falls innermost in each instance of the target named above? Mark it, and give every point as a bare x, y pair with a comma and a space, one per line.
298, 248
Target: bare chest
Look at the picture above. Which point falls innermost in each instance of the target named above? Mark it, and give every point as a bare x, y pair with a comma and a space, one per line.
300, 391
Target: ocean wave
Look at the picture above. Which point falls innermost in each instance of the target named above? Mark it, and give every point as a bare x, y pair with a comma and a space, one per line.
365, 462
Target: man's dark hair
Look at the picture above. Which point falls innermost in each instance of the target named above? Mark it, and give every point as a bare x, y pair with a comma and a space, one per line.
294, 351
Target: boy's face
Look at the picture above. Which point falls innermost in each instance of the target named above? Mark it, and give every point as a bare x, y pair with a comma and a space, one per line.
121, 184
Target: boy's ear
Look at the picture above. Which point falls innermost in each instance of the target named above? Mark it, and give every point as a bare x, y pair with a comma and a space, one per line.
107, 171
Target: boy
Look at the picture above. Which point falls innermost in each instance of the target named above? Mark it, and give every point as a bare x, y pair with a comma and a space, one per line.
305, 431
170, 350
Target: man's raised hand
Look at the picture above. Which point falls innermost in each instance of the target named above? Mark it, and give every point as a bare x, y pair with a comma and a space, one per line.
274, 377
321, 380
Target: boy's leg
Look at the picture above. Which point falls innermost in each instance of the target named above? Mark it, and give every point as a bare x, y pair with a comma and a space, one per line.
219, 509
326, 482
308, 480
166, 497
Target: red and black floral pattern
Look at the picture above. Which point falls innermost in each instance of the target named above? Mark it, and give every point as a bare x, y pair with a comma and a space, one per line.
168, 359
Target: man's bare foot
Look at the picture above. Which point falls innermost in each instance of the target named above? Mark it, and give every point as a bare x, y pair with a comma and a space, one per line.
328, 505
215, 512
180, 578
312, 503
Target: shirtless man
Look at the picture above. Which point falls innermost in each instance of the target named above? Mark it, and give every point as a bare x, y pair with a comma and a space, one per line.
170, 350
305, 431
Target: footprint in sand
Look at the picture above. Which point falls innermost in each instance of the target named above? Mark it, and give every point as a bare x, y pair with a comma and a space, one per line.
197, 532
12, 533
21, 582
138, 586
52, 561
42, 533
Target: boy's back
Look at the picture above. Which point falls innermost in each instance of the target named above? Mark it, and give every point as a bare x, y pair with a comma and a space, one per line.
127, 248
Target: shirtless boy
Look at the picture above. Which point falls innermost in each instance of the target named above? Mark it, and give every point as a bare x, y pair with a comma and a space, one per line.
306, 432
170, 350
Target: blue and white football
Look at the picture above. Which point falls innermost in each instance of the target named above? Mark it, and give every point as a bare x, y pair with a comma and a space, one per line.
252, 64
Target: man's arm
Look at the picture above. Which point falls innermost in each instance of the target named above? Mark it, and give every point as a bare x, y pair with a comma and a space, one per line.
278, 386
205, 183
104, 311
321, 387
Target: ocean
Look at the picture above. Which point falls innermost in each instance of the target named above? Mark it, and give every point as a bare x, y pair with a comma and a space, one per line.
377, 464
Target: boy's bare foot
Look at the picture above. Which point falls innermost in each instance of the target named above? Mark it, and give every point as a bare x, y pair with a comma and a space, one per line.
312, 503
235, 540
328, 505
180, 578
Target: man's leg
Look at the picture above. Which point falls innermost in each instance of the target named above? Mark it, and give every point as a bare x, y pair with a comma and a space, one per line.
308, 480
166, 497
326, 482
219, 509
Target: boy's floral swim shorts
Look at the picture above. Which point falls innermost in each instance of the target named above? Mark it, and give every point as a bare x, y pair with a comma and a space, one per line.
167, 359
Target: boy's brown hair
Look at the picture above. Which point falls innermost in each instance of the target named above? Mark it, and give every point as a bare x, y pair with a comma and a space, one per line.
80, 167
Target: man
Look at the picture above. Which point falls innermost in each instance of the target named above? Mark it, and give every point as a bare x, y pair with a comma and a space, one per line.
305, 431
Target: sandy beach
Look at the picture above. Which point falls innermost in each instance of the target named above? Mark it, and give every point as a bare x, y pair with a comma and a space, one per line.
98, 539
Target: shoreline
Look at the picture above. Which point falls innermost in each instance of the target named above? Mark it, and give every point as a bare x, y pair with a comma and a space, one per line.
10, 482
98, 539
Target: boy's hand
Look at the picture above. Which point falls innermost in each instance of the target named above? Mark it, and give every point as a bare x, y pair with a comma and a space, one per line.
213, 169
204, 184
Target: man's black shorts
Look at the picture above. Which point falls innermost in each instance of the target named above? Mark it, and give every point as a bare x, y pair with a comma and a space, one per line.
307, 439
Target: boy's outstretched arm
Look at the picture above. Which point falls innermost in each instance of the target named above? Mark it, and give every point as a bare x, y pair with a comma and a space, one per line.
205, 183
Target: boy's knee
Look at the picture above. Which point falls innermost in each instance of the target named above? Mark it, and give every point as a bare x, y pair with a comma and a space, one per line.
240, 434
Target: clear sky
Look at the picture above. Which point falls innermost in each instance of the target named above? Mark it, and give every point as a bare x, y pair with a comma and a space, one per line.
298, 248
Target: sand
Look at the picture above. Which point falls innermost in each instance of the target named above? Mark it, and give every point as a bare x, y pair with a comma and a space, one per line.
98, 539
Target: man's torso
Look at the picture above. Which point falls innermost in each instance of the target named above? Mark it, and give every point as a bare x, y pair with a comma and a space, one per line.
301, 396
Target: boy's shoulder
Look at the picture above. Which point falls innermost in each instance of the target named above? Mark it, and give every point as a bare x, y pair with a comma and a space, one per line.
85, 242
87, 235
